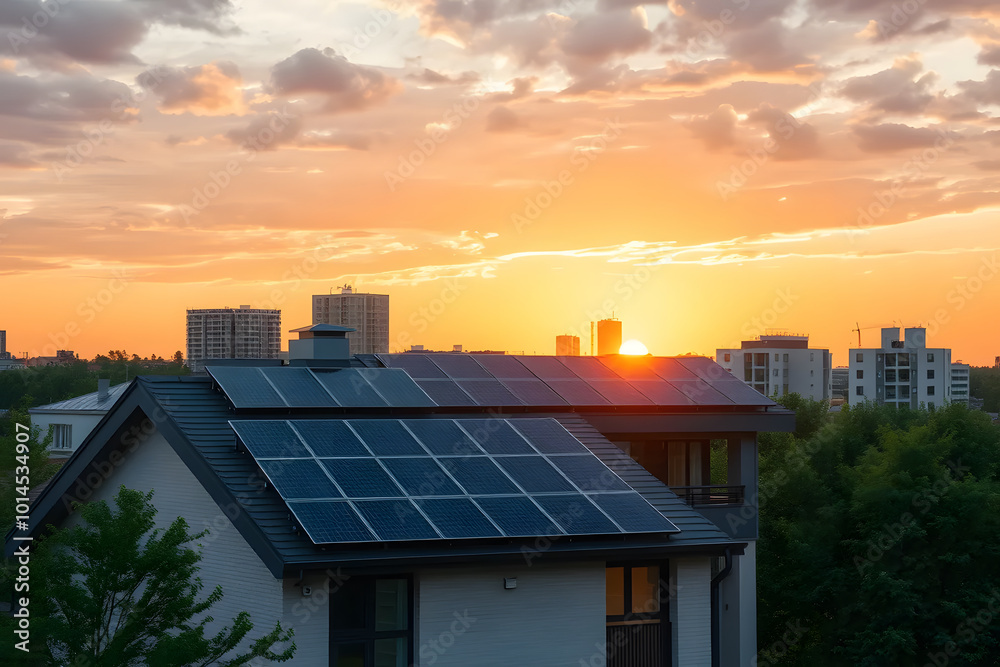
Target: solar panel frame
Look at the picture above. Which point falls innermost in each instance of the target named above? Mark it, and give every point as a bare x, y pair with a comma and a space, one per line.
672, 369
269, 438
630, 367
589, 368
458, 518
589, 474
246, 387
741, 393
504, 367
417, 366
299, 479
421, 476
396, 520
620, 392
330, 438
535, 393
443, 437
496, 436
535, 474
701, 392
362, 478
661, 392
577, 392
298, 387
576, 515
327, 522
549, 436
547, 368
518, 516
479, 475
387, 437
397, 388
447, 393
489, 393
350, 388
633, 513
460, 366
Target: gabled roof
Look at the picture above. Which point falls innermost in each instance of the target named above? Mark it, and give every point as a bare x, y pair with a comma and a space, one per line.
86, 404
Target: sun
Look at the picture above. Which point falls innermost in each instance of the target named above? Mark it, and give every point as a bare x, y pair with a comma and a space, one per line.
633, 347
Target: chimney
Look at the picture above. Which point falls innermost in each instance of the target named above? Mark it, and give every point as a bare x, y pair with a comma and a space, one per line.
320, 345
103, 384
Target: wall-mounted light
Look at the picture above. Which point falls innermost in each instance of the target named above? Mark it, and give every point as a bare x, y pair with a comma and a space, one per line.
510, 582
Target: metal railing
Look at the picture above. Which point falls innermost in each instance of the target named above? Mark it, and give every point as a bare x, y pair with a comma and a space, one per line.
725, 494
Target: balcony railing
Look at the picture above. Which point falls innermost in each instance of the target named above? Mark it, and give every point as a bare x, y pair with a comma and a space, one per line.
700, 496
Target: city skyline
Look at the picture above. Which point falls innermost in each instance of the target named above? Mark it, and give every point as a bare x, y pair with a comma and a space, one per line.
692, 169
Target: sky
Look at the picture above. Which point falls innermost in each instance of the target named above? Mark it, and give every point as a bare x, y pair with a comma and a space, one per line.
506, 170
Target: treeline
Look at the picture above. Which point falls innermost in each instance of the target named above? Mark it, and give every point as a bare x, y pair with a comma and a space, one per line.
879, 539
41, 385
984, 383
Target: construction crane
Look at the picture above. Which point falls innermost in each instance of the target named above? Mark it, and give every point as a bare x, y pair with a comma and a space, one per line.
858, 329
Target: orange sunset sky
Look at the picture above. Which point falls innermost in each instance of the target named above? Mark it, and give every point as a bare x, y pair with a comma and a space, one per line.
506, 170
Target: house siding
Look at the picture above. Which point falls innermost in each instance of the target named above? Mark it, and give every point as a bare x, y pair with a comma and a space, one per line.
227, 559
554, 618
691, 612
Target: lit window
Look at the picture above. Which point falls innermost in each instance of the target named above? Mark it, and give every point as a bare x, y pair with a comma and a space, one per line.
62, 436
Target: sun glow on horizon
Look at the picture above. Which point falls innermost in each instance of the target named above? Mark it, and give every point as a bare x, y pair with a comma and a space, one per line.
633, 347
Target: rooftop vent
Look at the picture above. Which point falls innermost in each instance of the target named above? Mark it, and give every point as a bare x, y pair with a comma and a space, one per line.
320, 345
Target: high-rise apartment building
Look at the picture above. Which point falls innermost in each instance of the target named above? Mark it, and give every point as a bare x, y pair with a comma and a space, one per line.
781, 364
4, 354
960, 382
902, 372
609, 336
232, 333
567, 346
367, 314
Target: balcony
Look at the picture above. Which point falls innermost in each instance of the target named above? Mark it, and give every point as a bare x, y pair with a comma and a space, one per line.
711, 496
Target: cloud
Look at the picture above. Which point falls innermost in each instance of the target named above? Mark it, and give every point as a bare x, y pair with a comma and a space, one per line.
202, 90
268, 131
347, 87
894, 90
502, 119
986, 91
15, 155
891, 137
336, 140
520, 87
990, 55
432, 78
795, 139
717, 129
600, 36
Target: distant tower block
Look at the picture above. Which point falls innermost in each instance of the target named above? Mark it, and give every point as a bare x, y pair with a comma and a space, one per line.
567, 346
609, 336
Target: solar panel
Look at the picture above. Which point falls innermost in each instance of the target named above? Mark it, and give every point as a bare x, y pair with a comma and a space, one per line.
418, 366
577, 515
577, 392
661, 392
245, 387
446, 392
298, 387
534, 392
330, 521
460, 366
701, 392
299, 478
396, 520
673, 369
620, 392
503, 367
387, 437
589, 368
549, 436
443, 437
517, 516
496, 436
458, 517
589, 474
630, 367
547, 368
633, 513
421, 477
362, 478
269, 439
328, 437
479, 475
397, 388
740, 393
534, 474
350, 388
489, 393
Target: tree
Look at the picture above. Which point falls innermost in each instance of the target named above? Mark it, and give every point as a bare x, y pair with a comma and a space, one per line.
21, 447
878, 539
114, 592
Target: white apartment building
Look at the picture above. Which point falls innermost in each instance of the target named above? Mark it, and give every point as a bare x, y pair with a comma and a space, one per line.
960, 382
902, 372
232, 333
367, 314
781, 364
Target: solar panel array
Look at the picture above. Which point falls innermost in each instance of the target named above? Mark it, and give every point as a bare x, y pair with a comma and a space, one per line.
485, 380
388, 480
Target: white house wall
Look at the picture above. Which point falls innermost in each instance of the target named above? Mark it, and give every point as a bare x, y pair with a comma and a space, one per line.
691, 612
81, 426
555, 617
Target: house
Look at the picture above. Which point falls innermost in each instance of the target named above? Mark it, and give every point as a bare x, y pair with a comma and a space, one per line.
72, 420
903, 372
454, 509
781, 363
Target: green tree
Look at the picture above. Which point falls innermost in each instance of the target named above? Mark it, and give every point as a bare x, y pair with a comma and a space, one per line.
24, 460
878, 538
115, 592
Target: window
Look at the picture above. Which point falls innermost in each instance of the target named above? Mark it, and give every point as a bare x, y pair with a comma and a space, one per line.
637, 611
890, 375
728, 356
786, 357
930, 390
811, 373
904, 391
776, 357
812, 356
62, 436
890, 393
859, 357
890, 360
859, 390
861, 375
930, 357
930, 373
371, 623
775, 372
